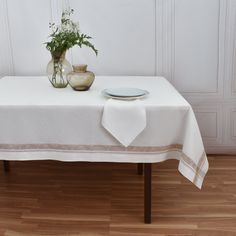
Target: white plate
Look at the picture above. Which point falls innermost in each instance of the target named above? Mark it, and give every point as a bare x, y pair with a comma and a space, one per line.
125, 93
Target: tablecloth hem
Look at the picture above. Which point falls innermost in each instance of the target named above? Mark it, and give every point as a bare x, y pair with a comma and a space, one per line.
194, 173
91, 156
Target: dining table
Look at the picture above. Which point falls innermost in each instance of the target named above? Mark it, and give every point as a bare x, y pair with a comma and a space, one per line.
40, 122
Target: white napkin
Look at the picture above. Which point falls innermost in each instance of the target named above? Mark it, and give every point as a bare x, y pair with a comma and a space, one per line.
125, 120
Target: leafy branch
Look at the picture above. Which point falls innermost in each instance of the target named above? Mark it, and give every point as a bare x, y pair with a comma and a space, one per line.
67, 35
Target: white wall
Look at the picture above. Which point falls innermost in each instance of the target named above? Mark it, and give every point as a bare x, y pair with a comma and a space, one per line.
191, 42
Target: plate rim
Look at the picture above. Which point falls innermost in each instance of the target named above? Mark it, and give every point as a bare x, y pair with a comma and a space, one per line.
125, 97
145, 92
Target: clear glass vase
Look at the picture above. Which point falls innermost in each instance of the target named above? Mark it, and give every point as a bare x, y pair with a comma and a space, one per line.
58, 69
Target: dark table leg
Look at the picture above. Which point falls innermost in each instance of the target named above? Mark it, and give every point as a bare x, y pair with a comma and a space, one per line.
147, 193
140, 168
6, 166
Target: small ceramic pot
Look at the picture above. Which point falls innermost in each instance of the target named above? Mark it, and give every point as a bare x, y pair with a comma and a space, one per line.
80, 79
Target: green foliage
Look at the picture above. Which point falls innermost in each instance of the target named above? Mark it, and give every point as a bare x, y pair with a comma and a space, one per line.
67, 35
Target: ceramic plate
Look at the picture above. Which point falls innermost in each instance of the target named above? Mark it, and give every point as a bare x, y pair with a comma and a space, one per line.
125, 93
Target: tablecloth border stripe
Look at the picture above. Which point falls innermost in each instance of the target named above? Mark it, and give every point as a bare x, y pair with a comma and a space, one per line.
94, 148
197, 168
109, 149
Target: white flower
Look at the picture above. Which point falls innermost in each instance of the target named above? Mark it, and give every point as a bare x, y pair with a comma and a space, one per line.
67, 25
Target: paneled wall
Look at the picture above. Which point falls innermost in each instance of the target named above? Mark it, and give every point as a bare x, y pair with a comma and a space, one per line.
190, 42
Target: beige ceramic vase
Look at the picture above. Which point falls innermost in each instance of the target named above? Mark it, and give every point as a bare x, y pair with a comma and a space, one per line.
80, 79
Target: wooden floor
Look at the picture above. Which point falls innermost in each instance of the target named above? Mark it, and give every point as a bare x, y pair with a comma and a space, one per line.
54, 198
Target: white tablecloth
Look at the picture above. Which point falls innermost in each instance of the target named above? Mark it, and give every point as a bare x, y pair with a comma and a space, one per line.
39, 122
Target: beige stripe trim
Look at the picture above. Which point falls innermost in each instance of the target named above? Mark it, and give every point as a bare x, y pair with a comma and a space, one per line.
88, 148
109, 149
197, 168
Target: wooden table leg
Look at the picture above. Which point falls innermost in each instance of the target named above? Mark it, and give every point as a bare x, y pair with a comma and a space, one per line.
6, 166
140, 168
147, 193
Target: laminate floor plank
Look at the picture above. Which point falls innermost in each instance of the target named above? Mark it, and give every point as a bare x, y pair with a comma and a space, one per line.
56, 198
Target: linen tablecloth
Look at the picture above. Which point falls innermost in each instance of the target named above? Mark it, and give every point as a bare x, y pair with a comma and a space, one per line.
39, 122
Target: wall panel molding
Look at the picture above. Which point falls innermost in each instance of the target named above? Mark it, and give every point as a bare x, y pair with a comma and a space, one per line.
165, 21
210, 119
6, 58
231, 49
233, 124
165, 31
218, 91
230, 125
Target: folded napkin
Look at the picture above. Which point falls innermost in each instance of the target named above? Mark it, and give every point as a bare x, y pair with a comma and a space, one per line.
125, 120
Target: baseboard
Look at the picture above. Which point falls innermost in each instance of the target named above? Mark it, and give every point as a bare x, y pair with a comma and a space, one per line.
223, 150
